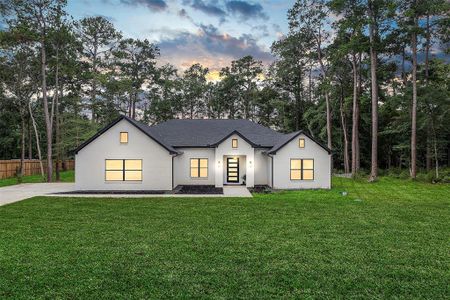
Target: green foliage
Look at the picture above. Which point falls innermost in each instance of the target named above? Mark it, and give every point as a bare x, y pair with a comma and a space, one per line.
102, 75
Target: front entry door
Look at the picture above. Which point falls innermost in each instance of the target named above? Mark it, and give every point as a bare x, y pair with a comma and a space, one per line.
233, 170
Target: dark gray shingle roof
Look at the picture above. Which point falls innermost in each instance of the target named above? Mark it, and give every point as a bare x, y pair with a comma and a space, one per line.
207, 132
180, 133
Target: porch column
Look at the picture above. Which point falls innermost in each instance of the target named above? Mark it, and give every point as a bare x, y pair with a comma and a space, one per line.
218, 167
250, 166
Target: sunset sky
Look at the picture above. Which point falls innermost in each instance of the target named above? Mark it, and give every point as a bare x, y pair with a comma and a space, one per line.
210, 32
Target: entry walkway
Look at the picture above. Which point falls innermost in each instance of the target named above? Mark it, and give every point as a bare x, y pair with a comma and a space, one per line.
236, 191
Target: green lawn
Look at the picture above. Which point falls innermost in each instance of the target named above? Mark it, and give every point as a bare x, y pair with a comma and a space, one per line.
67, 176
389, 239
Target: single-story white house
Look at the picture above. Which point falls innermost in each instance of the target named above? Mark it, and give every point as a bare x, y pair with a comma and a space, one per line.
128, 155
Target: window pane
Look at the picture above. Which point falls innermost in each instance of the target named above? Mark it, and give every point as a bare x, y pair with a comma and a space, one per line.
203, 163
233, 160
124, 137
194, 163
234, 143
301, 143
114, 175
194, 172
308, 174
203, 172
308, 164
295, 164
114, 164
295, 174
133, 175
133, 164
230, 178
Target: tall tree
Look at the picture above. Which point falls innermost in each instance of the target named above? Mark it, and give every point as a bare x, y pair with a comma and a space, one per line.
136, 62
350, 31
310, 18
38, 17
194, 88
98, 38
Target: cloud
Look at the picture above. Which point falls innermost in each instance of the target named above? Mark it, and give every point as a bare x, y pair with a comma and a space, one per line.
240, 9
157, 5
210, 8
210, 47
245, 10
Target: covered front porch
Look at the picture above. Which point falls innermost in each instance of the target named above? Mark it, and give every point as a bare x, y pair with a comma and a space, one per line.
235, 170
234, 162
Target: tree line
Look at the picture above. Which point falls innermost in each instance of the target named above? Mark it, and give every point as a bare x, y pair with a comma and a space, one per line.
367, 78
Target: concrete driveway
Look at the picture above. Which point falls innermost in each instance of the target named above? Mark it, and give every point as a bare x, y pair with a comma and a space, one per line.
14, 193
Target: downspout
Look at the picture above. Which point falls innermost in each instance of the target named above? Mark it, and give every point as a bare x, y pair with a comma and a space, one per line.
173, 156
271, 170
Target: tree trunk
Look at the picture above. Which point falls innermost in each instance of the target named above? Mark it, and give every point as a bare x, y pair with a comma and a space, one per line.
38, 145
374, 84
403, 67
56, 106
436, 159
414, 103
22, 147
427, 51
135, 96
30, 141
94, 82
344, 129
355, 118
427, 47
327, 101
48, 122
428, 154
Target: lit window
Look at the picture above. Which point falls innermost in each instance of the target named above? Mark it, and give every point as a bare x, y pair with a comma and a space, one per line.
302, 169
234, 143
124, 137
301, 143
123, 169
199, 167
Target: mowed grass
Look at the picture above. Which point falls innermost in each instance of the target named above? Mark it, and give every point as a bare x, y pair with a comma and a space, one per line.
388, 239
66, 176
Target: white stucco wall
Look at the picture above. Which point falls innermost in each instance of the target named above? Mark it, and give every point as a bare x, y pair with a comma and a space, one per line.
225, 149
322, 165
181, 163
261, 167
156, 160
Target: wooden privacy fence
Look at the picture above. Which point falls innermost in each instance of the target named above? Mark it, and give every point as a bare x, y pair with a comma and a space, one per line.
8, 168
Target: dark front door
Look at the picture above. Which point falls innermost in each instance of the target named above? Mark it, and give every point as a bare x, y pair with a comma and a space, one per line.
233, 170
